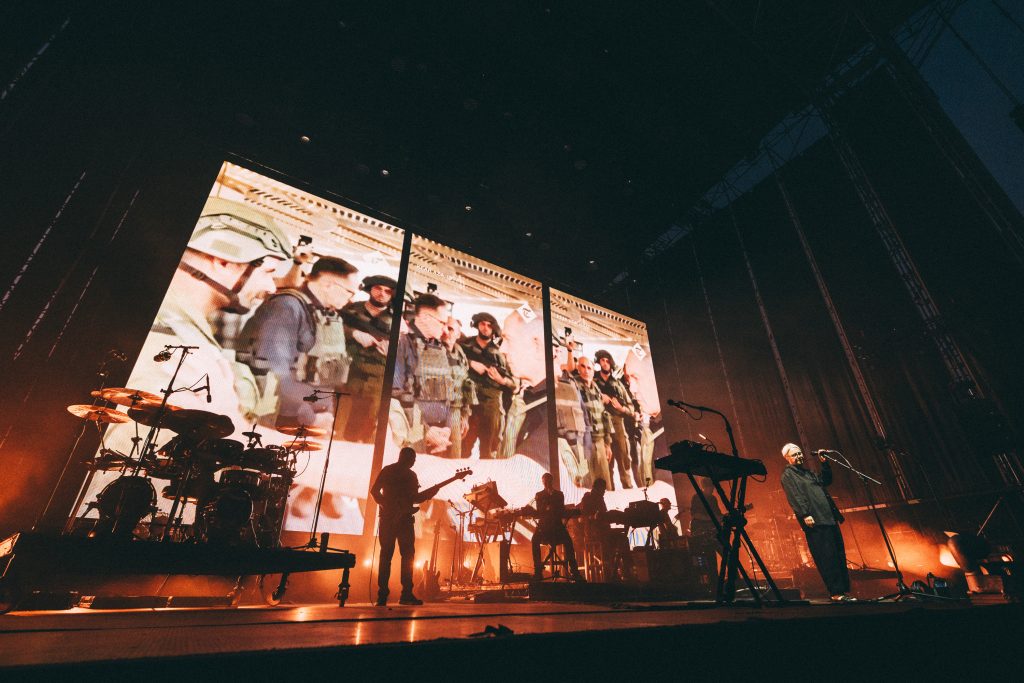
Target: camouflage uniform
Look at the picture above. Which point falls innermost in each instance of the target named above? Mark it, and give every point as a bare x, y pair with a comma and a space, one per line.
614, 388
599, 431
423, 386
366, 372
463, 398
485, 422
571, 422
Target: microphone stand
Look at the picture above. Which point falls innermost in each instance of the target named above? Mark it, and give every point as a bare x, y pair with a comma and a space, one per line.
323, 544
102, 373
902, 589
315, 397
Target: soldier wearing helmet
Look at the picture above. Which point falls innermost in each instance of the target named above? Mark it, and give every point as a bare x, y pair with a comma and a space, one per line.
489, 371
618, 403
367, 333
228, 266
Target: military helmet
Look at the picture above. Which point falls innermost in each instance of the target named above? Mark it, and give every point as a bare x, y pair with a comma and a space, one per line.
484, 316
601, 353
371, 281
238, 233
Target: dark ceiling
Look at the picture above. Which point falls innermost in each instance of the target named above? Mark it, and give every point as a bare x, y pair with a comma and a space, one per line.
558, 139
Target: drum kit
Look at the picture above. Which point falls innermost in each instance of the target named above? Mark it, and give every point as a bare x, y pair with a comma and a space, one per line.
239, 490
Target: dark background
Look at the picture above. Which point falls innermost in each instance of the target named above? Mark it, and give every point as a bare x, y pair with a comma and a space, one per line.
559, 140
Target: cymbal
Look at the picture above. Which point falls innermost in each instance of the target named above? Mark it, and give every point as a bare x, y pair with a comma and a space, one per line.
98, 414
302, 430
147, 414
123, 396
198, 425
303, 445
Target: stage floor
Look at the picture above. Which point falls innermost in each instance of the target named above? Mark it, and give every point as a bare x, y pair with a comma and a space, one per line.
82, 636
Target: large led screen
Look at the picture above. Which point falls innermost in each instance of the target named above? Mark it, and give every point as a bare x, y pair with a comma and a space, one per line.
607, 407
470, 385
285, 302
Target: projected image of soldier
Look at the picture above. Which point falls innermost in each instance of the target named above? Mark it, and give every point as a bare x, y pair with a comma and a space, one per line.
423, 390
597, 438
493, 380
463, 388
367, 334
526, 424
570, 416
638, 372
618, 404
298, 336
229, 266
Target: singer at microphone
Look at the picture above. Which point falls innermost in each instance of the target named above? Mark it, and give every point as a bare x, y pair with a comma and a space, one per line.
807, 493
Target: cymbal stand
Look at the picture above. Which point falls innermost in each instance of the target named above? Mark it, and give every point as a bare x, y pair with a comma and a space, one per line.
102, 373
150, 443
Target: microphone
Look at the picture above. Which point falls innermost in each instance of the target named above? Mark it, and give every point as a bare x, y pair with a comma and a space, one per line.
312, 398
164, 355
822, 451
675, 404
119, 355
206, 388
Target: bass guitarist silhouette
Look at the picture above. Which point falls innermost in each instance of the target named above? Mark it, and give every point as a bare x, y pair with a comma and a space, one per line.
397, 492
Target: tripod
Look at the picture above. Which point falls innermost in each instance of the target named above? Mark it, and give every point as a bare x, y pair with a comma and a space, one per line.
903, 591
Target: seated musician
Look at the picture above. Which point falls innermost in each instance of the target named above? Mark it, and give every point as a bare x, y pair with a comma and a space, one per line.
551, 528
597, 526
592, 505
667, 531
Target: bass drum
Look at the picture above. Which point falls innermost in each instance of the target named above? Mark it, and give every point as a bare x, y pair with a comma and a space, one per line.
226, 517
123, 503
256, 484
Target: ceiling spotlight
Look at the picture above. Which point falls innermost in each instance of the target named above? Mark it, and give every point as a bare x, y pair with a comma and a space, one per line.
385, 172
591, 261
304, 139
529, 234
468, 207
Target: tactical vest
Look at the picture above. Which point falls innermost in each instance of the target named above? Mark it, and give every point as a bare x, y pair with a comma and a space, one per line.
327, 362
594, 406
432, 379
571, 421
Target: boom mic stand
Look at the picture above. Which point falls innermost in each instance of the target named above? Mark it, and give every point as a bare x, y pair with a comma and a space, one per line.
102, 373
316, 396
902, 589
323, 544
